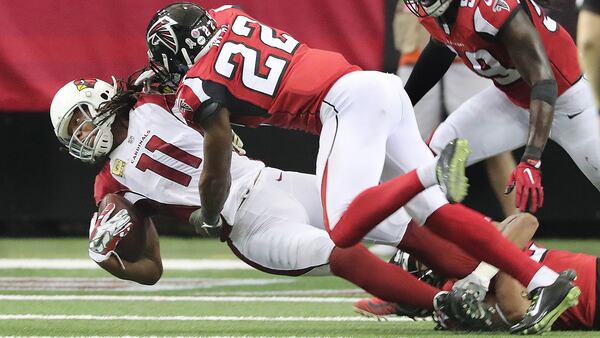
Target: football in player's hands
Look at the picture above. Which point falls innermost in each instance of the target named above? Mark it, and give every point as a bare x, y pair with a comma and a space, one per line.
131, 246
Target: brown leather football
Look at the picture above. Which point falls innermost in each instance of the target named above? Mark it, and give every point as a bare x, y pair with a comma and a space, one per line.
130, 247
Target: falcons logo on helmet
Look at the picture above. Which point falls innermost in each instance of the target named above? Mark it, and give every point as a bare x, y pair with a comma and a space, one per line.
162, 32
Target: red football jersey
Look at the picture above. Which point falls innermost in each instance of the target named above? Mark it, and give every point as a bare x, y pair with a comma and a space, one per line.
582, 315
261, 74
474, 38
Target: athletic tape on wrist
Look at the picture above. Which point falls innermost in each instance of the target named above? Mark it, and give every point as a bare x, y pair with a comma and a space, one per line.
532, 155
545, 90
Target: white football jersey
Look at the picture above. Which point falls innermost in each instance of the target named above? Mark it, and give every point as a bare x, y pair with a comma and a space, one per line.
161, 159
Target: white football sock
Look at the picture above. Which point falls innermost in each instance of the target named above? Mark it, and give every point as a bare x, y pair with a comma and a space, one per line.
427, 175
543, 277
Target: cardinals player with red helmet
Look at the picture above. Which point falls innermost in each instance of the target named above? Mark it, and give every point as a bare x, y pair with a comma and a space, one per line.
539, 92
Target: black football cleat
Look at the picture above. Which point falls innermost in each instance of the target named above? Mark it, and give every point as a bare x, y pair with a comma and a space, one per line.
460, 310
450, 170
548, 303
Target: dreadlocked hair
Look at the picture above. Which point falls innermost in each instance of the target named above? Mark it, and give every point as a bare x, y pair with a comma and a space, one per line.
125, 98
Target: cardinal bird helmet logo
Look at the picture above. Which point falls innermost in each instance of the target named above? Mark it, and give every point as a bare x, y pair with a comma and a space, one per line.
84, 83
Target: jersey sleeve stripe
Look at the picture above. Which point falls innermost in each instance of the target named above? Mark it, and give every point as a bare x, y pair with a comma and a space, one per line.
482, 25
195, 84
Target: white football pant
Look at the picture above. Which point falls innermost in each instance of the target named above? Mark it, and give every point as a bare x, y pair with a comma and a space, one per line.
493, 124
370, 135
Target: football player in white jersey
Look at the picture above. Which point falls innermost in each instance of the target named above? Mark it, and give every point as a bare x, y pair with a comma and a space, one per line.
154, 160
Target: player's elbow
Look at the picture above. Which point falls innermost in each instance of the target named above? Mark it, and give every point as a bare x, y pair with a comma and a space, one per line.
149, 281
152, 278
522, 228
528, 222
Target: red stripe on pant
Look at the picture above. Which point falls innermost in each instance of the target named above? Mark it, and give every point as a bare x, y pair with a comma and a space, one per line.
369, 208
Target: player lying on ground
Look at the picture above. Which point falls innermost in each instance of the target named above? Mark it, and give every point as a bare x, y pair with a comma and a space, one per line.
240, 70
539, 91
507, 293
154, 162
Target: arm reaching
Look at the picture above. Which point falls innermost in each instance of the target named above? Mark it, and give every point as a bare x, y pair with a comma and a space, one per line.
526, 50
215, 179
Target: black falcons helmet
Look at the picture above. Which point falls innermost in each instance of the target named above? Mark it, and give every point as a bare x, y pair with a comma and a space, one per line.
176, 35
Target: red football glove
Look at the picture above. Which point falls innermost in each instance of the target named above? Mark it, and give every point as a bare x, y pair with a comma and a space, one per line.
528, 180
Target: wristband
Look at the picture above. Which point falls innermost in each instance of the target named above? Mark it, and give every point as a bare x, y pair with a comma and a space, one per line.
485, 272
545, 90
532, 156
216, 222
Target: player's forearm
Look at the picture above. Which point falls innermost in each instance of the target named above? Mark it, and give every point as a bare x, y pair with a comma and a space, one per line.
527, 53
433, 63
144, 271
519, 228
588, 40
215, 179
213, 194
541, 115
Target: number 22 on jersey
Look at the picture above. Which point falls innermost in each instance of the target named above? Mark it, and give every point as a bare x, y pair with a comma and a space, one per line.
256, 57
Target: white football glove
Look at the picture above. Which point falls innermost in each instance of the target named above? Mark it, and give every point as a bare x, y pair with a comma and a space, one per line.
237, 144
105, 233
197, 220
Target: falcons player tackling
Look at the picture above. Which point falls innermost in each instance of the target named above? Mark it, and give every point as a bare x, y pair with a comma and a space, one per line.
238, 70
539, 91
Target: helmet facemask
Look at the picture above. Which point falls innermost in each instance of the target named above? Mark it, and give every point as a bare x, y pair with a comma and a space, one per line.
98, 142
163, 76
425, 8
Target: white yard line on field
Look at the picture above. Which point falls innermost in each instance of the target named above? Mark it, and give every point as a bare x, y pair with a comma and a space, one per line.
87, 264
197, 318
313, 292
114, 284
223, 299
161, 337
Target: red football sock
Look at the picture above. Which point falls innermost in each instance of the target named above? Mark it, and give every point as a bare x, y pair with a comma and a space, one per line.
479, 238
371, 207
443, 257
383, 280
